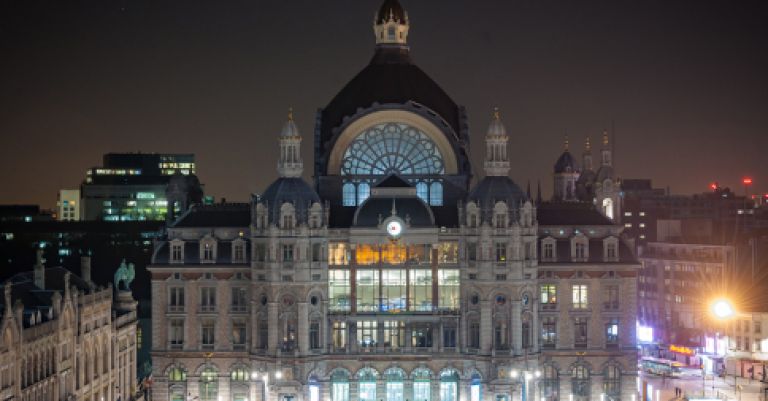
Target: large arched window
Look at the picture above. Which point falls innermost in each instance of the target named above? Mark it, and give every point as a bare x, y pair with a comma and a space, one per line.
612, 382
550, 384
580, 383
367, 384
339, 386
177, 383
449, 385
421, 385
394, 377
436, 194
392, 148
209, 384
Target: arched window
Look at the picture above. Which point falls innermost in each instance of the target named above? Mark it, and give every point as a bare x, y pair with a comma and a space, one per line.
422, 191
349, 194
177, 374
239, 374
436, 194
550, 383
475, 388
363, 192
339, 386
366, 384
612, 382
449, 385
608, 208
421, 385
209, 384
580, 383
394, 377
392, 148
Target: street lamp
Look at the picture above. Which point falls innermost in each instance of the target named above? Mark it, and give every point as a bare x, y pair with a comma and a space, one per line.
526, 376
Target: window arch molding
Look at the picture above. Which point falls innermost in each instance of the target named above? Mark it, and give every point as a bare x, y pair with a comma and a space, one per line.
355, 128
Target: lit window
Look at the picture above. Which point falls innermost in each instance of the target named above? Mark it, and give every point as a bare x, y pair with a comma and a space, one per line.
641, 214
363, 192
549, 295
628, 214
422, 191
349, 194
628, 225
641, 225
436, 194
579, 296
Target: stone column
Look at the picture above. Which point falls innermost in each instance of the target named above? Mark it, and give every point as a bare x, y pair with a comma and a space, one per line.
486, 329
408, 389
303, 328
535, 329
273, 328
517, 328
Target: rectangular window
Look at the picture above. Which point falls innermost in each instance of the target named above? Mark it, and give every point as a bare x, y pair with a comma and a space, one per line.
421, 390
176, 335
340, 390
448, 252
263, 328
394, 334
581, 251
366, 333
579, 296
448, 289
239, 299
612, 332
611, 251
317, 252
611, 301
549, 296
501, 252
758, 327
208, 331
393, 290
549, 331
549, 252
207, 252
449, 336
314, 335
368, 294
259, 253
176, 301
474, 335
339, 335
393, 254
238, 334
338, 254
472, 251
367, 254
239, 253
287, 253
339, 290
420, 281
421, 336
501, 277
580, 332
208, 299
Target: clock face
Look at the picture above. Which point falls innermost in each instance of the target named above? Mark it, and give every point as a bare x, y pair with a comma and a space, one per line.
394, 228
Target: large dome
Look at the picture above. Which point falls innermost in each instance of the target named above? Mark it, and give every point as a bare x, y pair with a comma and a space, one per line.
492, 189
565, 163
291, 190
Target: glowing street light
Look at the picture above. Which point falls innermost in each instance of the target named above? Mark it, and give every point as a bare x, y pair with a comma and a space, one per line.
722, 309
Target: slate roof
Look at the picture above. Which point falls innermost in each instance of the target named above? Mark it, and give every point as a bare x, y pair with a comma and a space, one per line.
570, 214
192, 252
492, 189
392, 7
563, 252
411, 209
292, 190
35, 299
217, 215
565, 162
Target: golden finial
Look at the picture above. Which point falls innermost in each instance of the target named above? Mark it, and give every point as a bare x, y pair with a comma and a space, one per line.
605, 137
496, 115
587, 145
567, 143
290, 114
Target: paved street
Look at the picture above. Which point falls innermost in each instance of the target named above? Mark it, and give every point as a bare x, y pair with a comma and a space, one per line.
695, 387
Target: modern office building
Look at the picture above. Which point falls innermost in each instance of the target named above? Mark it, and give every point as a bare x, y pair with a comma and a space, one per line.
393, 276
68, 205
65, 338
132, 186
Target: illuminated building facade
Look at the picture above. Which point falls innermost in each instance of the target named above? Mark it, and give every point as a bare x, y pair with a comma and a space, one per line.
392, 277
132, 186
68, 205
65, 338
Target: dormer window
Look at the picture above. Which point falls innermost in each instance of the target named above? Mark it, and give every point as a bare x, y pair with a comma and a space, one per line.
391, 33
287, 218
177, 251
500, 215
579, 248
207, 250
611, 249
238, 251
548, 250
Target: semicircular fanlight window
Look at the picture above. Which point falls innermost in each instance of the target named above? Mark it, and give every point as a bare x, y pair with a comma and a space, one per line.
392, 148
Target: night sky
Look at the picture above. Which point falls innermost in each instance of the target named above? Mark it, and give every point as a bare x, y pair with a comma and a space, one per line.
684, 83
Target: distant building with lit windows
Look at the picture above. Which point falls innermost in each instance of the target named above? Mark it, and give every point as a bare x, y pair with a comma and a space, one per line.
132, 186
393, 276
68, 205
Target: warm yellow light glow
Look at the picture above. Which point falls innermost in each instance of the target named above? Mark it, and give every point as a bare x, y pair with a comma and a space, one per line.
722, 309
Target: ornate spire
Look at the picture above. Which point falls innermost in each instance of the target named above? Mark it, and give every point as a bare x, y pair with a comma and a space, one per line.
606, 156
290, 163
586, 157
391, 24
566, 143
496, 158
587, 146
605, 138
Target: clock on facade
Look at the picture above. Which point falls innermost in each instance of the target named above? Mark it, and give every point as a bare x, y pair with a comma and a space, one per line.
394, 228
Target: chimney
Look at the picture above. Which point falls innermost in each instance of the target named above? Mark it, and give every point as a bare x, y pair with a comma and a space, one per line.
39, 270
85, 268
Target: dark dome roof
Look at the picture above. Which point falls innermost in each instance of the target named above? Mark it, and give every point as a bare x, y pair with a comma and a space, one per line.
586, 177
565, 163
492, 189
411, 209
291, 190
604, 172
390, 78
390, 7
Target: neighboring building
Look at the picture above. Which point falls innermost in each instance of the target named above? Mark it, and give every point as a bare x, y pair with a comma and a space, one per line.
391, 277
747, 345
676, 284
598, 186
132, 186
64, 338
68, 204
23, 213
